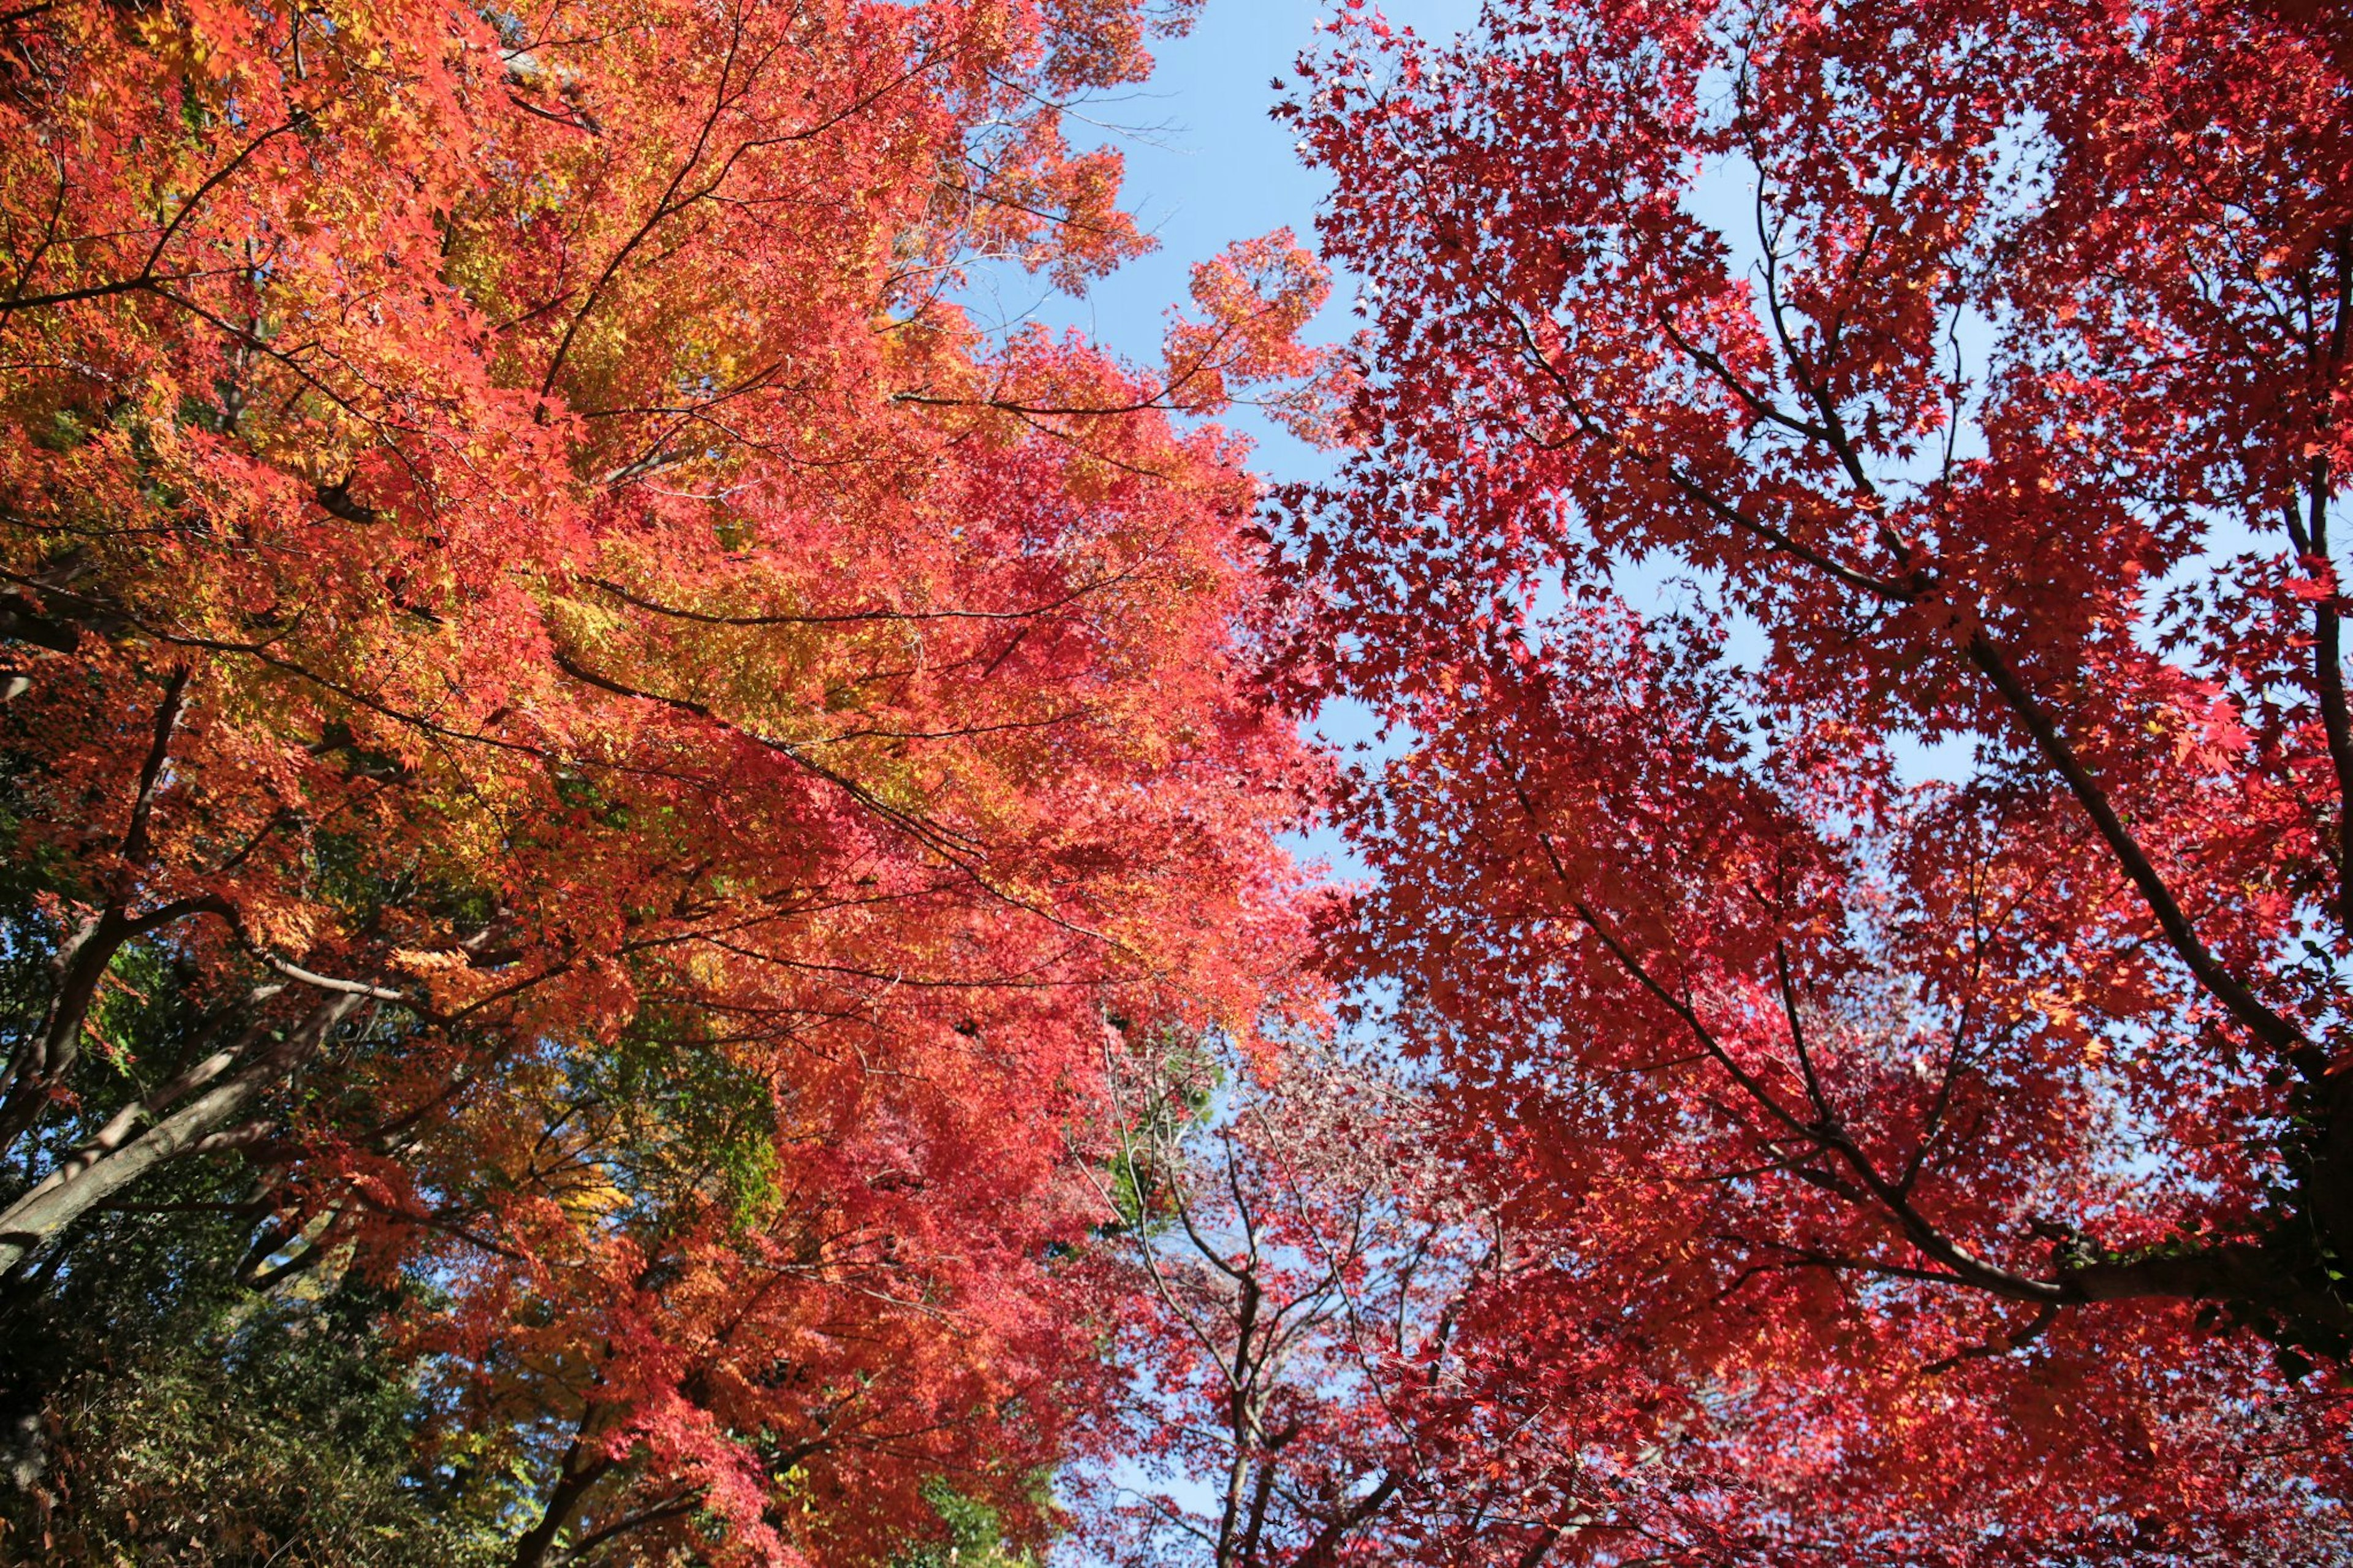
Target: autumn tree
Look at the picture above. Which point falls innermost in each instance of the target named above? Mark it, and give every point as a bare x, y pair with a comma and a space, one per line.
574, 714
1332, 1355
1912, 964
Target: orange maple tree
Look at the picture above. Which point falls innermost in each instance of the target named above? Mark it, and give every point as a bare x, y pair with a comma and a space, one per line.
1912, 975
645, 744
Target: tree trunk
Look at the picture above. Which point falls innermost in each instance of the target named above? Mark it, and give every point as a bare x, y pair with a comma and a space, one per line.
187, 1116
44, 1059
572, 1488
81, 960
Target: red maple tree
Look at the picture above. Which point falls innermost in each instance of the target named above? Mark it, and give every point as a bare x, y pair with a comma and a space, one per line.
1911, 970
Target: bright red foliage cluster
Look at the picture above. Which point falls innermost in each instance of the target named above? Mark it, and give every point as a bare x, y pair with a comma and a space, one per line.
1909, 985
650, 744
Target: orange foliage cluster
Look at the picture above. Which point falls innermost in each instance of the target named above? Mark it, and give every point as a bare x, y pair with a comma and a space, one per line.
658, 750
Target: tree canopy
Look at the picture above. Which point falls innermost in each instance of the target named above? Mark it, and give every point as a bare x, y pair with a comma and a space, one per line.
580, 716
1864, 842
649, 917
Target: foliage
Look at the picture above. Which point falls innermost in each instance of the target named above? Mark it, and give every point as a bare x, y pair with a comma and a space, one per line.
575, 715
1909, 983
158, 1412
974, 1538
1320, 1377
645, 919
